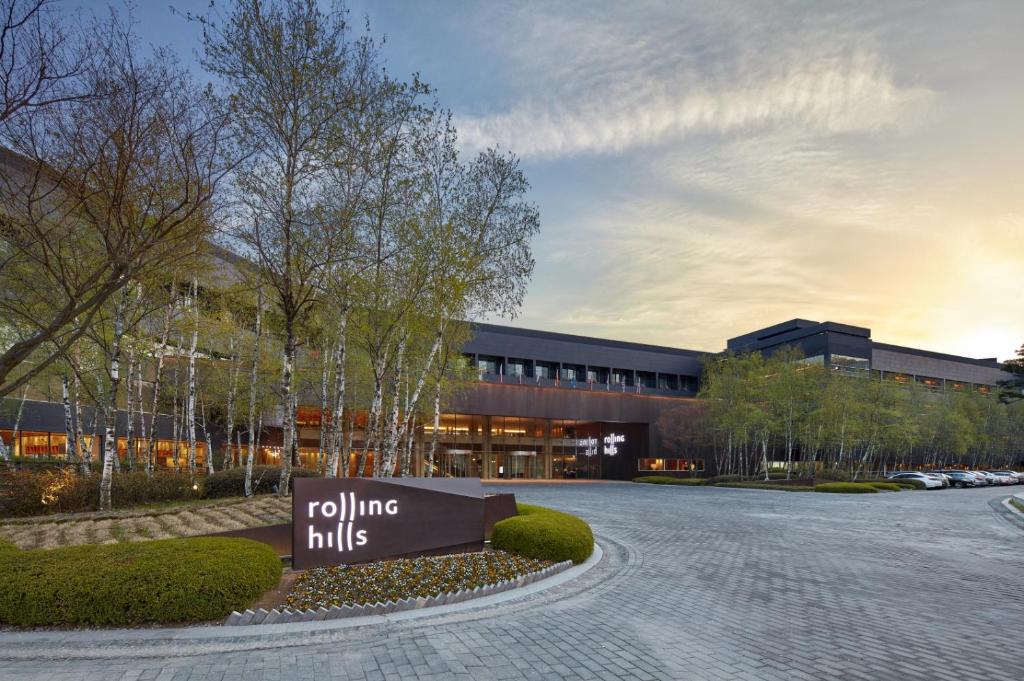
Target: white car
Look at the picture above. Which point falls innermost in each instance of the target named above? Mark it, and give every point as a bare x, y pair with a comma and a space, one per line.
1004, 477
929, 482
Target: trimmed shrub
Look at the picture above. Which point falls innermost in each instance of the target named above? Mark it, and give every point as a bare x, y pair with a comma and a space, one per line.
669, 480
846, 488
750, 484
914, 484
231, 483
544, 533
887, 486
724, 478
27, 493
169, 580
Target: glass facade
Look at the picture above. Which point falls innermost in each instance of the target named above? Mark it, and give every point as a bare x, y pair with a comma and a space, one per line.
40, 445
514, 447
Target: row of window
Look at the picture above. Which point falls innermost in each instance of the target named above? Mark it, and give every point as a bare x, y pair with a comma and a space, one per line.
671, 464
36, 445
861, 365
516, 368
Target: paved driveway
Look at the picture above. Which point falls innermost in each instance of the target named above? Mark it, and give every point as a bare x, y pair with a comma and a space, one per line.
695, 584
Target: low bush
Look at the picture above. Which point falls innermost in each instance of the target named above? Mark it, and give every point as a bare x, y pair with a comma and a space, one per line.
914, 483
163, 581
669, 480
846, 488
887, 486
27, 493
752, 484
543, 533
231, 483
724, 478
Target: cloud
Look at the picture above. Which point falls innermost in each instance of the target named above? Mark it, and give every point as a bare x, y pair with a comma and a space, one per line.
828, 96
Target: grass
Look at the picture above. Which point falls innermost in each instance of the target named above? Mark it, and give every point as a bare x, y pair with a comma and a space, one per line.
1017, 504
394, 580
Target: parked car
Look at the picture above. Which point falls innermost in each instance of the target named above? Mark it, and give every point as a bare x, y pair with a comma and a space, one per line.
940, 476
961, 479
1004, 477
989, 478
929, 482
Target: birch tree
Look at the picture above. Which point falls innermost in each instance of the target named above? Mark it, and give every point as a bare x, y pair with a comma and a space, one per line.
290, 69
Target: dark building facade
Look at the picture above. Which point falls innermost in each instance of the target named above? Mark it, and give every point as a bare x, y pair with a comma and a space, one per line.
558, 406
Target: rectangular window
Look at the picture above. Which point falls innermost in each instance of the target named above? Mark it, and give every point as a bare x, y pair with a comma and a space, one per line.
671, 464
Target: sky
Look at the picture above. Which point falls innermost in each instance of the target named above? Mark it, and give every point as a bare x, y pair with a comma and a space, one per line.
703, 169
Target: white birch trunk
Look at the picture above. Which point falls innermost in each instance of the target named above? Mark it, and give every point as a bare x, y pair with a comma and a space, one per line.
252, 395
69, 430
432, 453
190, 409
321, 450
288, 451
143, 438
209, 442
229, 457
338, 410
84, 453
157, 383
369, 437
109, 436
391, 441
407, 454
5, 452
130, 409
420, 382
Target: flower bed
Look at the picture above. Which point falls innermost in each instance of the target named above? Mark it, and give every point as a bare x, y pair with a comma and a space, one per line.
395, 580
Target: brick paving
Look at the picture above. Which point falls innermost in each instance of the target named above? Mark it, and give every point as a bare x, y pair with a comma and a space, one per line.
696, 584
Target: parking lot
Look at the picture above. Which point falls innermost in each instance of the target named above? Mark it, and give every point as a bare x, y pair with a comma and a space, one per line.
696, 583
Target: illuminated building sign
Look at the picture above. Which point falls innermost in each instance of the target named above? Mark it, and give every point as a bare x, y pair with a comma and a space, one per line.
339, 521
612, 442
588, 444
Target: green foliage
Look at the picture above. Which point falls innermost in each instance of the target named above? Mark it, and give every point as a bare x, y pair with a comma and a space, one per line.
846, 488
850, 420
171, 580
28, 493
887, 486
543, 533
231, 483
910, 483
669, 480
752, 484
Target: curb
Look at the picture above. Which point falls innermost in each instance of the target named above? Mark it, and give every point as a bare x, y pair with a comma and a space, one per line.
186, 641
1004, 508
288, 615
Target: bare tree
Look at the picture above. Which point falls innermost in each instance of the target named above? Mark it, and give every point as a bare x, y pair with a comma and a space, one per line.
37, 58
101, 191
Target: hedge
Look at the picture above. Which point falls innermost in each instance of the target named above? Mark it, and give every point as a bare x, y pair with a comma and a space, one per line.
888, 486
28, 493
539, 532
163, 581
750, 484
231, 483
669, 480
846, 488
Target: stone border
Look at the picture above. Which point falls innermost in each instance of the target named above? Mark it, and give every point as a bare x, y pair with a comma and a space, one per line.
1004, 508
288, 615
